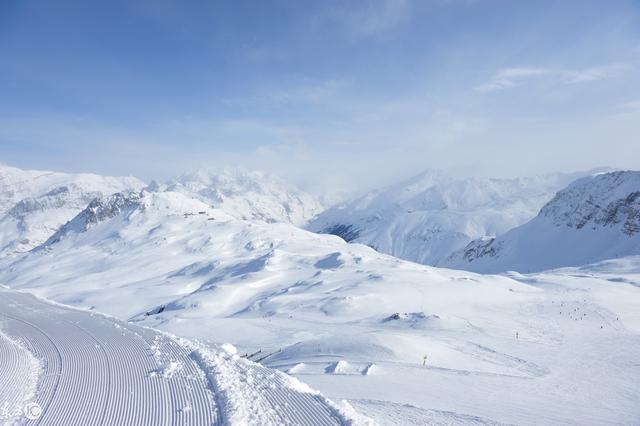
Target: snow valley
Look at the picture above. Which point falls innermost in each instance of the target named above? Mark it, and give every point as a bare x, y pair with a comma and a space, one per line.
228, 265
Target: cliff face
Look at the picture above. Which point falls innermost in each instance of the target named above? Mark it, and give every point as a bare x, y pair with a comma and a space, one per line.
35, 204
594, 218
607, 200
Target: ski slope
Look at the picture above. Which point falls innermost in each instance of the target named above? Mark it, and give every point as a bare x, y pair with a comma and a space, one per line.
20, 371
94, 370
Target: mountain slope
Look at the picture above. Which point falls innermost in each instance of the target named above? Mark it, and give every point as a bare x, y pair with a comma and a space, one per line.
352, 322
34, 204
120, 374
426, 218
593, 219
247, 195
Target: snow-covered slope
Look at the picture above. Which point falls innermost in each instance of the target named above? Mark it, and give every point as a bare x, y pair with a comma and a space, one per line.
355, 323
34, 204
89, 369
428, 217
594, 218
247, 195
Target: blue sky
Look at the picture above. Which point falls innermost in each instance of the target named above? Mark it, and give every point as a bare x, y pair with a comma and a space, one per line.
321, 91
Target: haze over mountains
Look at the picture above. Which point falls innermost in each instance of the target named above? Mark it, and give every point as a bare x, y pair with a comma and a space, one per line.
248, 195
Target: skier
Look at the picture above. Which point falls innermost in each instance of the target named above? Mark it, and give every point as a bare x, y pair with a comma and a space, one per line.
516, 335
424, 361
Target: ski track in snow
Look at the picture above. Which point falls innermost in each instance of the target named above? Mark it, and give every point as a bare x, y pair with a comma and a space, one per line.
20, 374
99, 371
249, 390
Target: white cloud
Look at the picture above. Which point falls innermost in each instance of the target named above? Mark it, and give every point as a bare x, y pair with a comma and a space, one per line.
509, 77
596, 73
382, 15
369, 17
506, 78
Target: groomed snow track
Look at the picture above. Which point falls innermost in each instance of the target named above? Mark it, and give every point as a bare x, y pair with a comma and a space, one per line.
95, 370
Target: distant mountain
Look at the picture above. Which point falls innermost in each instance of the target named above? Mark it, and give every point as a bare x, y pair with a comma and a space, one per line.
428, 217
593, 219
98, 210
34, 204
247, 195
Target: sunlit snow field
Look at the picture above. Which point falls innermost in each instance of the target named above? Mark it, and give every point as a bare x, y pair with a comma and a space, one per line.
357, 324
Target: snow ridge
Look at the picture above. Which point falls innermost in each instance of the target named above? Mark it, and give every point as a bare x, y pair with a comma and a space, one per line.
98, 210
34, 204
593, 219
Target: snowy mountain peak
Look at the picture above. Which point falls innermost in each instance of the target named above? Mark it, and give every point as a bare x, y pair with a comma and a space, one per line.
127, 204
34, 204
98, 210
429, 216
247, 195
605, 199
17, 184
593, 219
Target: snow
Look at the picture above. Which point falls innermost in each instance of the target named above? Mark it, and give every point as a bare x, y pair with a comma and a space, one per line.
352, 322
251, 394
21, 370
96, 371
247, 195
34, 204
102, 371
593, 219
251, 299
426, 218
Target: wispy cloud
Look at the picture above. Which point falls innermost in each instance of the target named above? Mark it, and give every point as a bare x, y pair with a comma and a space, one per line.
380, 16
370, 17
510, 77
596, 73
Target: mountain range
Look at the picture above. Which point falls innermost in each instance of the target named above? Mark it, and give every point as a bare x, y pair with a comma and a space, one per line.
426, 218
35, 204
